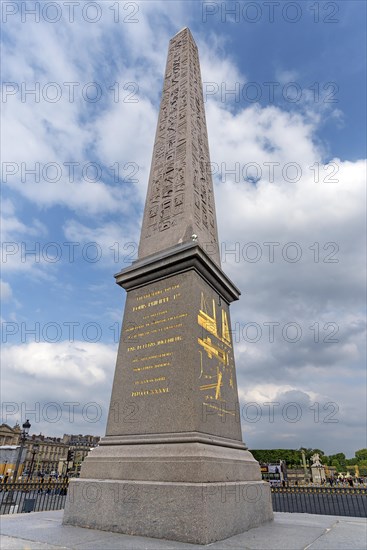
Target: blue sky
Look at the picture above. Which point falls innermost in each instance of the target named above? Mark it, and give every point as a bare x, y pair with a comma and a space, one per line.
88, 133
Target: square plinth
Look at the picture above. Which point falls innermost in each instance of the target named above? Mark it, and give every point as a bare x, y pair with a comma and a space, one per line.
199, 513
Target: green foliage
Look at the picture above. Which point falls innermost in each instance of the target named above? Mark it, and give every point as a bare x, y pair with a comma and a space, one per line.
340, 457
362, 467
293, 458
273, 456
361, 455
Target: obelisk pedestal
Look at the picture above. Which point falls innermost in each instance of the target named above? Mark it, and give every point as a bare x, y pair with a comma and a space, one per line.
172, 464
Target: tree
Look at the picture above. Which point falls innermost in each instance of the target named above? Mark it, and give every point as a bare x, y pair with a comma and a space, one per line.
273, 456
338, 461
362, 465
361, 454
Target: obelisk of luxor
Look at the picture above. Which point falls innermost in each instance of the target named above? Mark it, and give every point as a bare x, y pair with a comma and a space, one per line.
172, 464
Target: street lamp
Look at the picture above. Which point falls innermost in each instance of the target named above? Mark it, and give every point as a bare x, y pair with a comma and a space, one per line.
34, 451
26, 426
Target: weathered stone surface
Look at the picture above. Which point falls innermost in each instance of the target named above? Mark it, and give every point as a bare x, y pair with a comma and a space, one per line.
180, 200
175, 362
190, 512
189, 462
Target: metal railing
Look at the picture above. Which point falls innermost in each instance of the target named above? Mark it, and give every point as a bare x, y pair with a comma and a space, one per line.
331, 501
32, 496
335, 501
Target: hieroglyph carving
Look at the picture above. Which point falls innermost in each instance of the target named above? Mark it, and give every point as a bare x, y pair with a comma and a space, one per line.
180, 177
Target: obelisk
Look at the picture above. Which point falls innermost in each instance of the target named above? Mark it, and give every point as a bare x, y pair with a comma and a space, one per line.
172, 464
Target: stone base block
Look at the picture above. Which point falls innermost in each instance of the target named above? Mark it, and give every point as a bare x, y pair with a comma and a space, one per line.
199, 513
176, 462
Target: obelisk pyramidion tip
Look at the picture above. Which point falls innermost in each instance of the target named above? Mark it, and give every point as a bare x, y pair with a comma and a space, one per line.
180, 31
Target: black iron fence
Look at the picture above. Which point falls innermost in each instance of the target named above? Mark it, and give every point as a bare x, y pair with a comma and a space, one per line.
331, 501
334, 501
32, 496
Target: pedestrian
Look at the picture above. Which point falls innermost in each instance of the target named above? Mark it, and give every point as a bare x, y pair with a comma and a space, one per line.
41, 485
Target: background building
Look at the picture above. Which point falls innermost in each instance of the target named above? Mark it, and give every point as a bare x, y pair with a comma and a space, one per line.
79, 446
43, 455
8, 458
8, 435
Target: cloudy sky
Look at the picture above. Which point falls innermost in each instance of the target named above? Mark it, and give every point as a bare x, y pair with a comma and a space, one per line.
284, 90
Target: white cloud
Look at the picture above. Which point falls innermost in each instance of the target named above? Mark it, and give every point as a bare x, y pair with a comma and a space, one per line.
320, 293
87, 364
5, 291
15, 243
117, 243
62, 387
53, 59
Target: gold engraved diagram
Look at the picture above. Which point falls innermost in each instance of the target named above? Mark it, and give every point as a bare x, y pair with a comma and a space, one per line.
216, 344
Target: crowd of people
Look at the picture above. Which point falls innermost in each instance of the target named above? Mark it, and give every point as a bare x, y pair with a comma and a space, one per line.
330, 482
